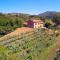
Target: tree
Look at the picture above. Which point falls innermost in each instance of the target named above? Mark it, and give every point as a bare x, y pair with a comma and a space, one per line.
11, 23
48, 23
21, 23
56, 20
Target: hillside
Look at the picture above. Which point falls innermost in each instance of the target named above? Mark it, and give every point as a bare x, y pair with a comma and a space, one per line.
18, 31
9, 22
52, 16
31, 45
49, 14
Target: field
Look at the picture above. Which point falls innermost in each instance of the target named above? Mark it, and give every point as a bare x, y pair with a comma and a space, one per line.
32, 45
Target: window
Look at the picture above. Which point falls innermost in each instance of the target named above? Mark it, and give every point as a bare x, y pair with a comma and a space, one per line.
35, 23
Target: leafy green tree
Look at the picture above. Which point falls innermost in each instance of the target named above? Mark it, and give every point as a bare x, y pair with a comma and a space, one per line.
48, 23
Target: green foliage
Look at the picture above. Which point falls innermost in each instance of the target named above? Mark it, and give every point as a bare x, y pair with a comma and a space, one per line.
56, 20
28, 46
35, 17
3, 53
9, 23
48, 23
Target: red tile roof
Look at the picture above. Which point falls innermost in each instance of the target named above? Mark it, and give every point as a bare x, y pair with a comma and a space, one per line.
37, 21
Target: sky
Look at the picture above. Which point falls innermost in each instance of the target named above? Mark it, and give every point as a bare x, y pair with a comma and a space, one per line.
29, 6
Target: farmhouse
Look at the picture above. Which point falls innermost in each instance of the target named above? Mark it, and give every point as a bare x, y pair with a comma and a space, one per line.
35, 23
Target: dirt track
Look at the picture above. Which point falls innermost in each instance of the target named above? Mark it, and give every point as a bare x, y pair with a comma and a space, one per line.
18, 31
57, 48
53, 51
58, 42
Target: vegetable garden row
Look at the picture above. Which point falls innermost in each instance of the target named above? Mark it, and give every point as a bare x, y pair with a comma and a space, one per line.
29, 45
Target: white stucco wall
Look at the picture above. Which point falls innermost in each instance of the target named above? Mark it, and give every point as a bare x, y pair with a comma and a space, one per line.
38, 25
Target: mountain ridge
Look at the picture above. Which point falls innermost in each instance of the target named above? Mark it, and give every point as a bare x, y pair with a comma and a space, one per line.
49, 14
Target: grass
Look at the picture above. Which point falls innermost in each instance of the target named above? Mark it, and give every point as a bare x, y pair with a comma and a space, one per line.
47, 53
37, 46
